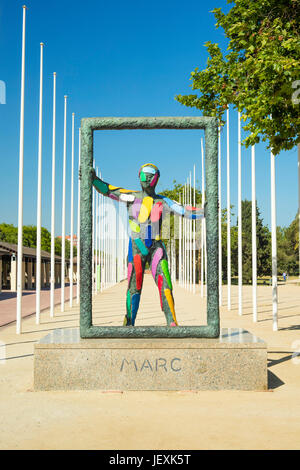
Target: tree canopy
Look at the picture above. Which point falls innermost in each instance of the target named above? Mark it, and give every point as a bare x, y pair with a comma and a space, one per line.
259, 73
9, 233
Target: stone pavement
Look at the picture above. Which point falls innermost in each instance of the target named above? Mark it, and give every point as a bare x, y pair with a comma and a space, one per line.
156, 420
8, 303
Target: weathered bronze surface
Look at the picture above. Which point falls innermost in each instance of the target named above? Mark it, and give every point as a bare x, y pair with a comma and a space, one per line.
88, 126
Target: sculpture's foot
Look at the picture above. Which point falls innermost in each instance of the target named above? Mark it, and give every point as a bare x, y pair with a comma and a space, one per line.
173, 324
127, 321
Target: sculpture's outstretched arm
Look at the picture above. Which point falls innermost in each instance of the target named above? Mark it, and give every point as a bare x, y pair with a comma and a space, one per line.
188, 212
114, 192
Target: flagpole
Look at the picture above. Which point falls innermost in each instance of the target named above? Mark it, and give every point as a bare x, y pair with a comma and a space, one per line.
72, 214
220, 222
63, 236
78, 225
96, 238
228, 220
191, 231
179, 254
20, 205
194, 235
240, 259
52, 273
274, 245
39, 197
254, 245
202, 223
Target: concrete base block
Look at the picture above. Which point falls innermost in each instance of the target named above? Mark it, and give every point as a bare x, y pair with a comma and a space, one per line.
236, 360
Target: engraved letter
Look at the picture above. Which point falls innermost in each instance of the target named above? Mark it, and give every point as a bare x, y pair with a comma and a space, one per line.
161, 365
125, 360
145, 366
173, 360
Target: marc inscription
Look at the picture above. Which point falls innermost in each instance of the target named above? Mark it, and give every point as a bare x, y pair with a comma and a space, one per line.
155, 365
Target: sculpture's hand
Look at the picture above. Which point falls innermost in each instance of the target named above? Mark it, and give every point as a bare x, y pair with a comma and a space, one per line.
93, 173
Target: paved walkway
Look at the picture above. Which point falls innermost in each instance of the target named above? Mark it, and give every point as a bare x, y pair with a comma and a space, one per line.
156, 420
8, 303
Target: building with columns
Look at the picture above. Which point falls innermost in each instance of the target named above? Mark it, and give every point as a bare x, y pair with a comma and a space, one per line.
8, 267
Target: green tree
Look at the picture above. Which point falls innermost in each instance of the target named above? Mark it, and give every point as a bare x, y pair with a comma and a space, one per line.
233, 244
287, 248
263, 243
8, 233
67, 248
257, 74
176, 193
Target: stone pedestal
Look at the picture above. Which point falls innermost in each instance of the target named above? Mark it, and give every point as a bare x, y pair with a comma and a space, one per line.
236, 360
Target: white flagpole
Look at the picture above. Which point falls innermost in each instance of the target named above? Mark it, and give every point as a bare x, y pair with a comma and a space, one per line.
39, 197
52, 273
254, 247
228, 220
190, 240
240, 259
78, 229
180, 241
101, 239
220, 222
274, 245
63, 236
184, 240
99, 223
72, 215
96, 238
93, 238
20, 205
202, 224
194, 235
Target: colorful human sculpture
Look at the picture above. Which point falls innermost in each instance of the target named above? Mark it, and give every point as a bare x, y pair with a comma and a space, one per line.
146, 210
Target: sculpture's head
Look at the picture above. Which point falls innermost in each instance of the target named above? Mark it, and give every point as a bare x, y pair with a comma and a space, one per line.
149, 175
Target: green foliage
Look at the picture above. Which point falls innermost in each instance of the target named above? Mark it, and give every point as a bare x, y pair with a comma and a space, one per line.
177, 192
288, 248
67, 248
287, 241
9, 234
257, 74
263, 243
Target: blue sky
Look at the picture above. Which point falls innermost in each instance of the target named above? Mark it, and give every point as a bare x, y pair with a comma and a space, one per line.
116, 59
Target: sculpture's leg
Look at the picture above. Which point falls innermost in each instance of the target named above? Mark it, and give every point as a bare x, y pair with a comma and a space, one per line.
136, 267
161, 275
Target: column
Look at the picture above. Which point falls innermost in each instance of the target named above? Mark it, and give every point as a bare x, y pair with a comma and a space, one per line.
13, 273
23, 275
47, 269
29, 274
57, 274
42, 274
